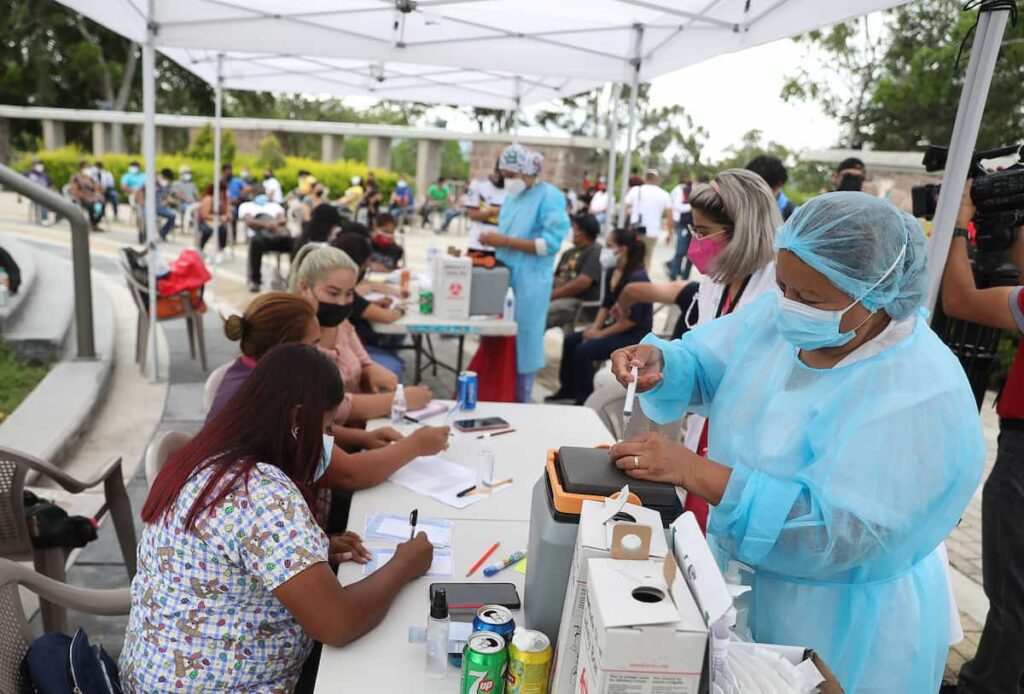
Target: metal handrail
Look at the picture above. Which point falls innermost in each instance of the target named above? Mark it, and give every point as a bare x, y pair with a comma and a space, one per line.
11, 179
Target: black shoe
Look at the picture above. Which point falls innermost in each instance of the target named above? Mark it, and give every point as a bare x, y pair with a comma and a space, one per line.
254, 287
560, 396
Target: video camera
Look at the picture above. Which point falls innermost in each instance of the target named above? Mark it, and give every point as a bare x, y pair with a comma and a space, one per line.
998, 196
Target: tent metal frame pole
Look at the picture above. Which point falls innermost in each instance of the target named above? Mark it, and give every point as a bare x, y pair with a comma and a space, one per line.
613, 138
628, 155
217, 114
149, 155
981, 66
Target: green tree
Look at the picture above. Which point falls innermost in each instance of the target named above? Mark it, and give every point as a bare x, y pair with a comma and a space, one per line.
894, 84
453, 161
271, 153
202, 145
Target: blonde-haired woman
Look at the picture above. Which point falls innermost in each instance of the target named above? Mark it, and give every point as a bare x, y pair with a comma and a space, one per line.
735, 217
326, 278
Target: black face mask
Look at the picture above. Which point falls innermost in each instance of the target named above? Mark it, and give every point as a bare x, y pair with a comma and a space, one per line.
332, 315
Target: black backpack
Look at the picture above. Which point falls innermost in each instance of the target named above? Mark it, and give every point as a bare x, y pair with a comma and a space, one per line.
12, 270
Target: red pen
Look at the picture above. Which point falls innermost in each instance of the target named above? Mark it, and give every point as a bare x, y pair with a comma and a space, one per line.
482, 559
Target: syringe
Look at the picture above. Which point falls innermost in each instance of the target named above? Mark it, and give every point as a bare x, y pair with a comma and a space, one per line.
627, 410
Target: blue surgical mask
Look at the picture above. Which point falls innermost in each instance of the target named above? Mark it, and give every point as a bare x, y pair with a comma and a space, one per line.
514, 186
260, 199
325, 458
809, 328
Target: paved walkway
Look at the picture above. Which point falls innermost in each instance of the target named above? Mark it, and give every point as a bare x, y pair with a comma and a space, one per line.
100, 564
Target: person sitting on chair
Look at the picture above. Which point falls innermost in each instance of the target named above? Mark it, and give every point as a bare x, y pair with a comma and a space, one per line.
267, 229
578, 274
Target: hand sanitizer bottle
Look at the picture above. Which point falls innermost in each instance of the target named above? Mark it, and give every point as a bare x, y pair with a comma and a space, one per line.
437, 636
398, 408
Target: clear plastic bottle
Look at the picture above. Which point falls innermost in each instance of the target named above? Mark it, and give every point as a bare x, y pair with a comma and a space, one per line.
485, 466
509, 312
398, 408
437, 636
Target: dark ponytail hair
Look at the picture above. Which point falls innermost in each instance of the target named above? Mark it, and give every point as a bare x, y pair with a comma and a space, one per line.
635, 253
291, 383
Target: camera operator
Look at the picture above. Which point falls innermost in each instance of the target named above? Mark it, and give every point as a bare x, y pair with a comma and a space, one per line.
998, 665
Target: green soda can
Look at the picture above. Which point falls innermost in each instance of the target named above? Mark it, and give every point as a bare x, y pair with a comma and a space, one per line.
426, 302
483, 664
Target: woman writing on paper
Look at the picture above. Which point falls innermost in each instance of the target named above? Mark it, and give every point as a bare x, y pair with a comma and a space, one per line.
844, 444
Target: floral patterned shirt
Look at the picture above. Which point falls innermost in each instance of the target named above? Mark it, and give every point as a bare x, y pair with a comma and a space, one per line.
203, 615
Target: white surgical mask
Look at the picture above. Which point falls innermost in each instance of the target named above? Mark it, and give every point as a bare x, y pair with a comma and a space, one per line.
514, 186
608, 258
325, 458
810, 328
402, 183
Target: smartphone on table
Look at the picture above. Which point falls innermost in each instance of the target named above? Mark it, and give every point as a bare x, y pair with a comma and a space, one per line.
482, 424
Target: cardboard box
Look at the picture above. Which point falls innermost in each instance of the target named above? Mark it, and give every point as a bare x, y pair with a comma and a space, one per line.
453, 278
594, 541
642, 631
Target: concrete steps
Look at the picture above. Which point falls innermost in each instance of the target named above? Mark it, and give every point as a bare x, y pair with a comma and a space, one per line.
44, 311
25, 258
51, 418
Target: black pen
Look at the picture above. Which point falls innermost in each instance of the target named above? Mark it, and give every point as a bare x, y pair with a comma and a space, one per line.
412, 522
411, 419
465, 491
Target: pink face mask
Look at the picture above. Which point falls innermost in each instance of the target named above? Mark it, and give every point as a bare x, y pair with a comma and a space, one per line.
703, 251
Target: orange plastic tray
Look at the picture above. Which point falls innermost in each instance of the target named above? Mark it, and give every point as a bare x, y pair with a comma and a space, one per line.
567, 502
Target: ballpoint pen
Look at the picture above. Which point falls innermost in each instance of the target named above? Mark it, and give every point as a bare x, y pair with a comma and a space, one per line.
412, 522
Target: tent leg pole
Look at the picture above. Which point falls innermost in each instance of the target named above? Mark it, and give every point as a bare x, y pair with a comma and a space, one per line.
984, 52
613, 138
149, 155
218, 97
628, 156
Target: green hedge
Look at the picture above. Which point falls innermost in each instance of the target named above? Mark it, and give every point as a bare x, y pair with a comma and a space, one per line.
61, 165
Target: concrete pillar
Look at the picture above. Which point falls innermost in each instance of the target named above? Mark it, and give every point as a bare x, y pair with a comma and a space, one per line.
428, 164
159, 140
379, 153
99, 139
53, 134
118, 145
5, 140
330, 147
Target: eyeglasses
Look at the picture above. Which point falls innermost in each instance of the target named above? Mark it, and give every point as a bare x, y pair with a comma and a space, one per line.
700, 231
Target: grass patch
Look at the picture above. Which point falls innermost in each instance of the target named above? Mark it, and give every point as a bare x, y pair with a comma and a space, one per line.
17, 379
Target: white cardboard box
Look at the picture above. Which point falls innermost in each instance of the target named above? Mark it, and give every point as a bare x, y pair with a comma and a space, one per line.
593, 540
640, 637
452, 281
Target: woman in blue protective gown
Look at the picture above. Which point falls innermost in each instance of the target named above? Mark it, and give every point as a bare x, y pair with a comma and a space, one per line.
844, 444
532, 224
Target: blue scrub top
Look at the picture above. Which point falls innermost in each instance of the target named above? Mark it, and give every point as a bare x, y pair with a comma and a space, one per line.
536, 213
133, 181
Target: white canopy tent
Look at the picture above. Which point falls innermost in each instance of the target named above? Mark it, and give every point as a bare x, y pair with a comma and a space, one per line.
626, 41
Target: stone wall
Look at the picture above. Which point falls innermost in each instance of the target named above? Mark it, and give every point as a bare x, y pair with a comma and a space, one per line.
563, 166
898, 184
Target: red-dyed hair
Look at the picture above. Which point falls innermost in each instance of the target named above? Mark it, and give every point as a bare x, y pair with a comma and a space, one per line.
292, 386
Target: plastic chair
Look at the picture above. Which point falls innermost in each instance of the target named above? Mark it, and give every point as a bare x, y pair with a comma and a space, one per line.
185, 305
15, 542
162, 448
190, 222
213, 385
15, 633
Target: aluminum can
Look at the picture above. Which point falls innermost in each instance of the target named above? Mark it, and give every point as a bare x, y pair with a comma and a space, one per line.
484, 664
495, 619
466, 391
529, 663
426, 302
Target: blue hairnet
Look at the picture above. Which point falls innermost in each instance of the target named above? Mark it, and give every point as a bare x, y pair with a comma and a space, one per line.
853, 239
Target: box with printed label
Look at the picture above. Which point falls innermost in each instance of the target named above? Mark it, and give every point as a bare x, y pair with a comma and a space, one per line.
593, 541
642, 631
453, 279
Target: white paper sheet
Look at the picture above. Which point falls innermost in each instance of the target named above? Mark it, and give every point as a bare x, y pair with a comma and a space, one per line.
440, 568
435, 407
441, 479
390, 527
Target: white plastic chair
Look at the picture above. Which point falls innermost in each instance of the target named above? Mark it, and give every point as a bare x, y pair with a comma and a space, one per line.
162, 448
213, 385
